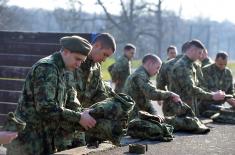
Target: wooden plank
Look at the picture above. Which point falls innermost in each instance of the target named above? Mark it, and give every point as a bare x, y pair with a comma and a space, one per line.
13, 72
3, 118
39, 37
6, 107
9, 96
6, 84
18, 59
28, 48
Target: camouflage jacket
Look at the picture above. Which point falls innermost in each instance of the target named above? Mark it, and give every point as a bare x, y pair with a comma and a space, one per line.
206, 61
218, 80
42, 105
44, 94
119, 71
140, 88
89, 84
201, 81
185, 81
163, 78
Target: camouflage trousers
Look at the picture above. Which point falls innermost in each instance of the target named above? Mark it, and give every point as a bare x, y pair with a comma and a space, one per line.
111, 117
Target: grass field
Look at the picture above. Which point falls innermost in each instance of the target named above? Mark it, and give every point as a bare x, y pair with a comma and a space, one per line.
231, 65
109, 61
136, 63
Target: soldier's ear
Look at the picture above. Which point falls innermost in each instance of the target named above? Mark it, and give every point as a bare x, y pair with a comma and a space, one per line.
97, 45
66, 52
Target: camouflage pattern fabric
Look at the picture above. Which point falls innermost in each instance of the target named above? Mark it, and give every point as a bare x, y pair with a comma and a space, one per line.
144, 129
140, 88
119, 71
13, 123
216, 80
89, 83
219, 80
163, 78
188, 124
42, 107
201, 81
185, 83
112, 116
182, 118
206, 61
225, 116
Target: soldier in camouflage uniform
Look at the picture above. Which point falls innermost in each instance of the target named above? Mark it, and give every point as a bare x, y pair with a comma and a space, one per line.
163, 78
171, 52
44, 103
185, 81
43, 99
141, 89
121, 69
205, 59
88, 77
218, 77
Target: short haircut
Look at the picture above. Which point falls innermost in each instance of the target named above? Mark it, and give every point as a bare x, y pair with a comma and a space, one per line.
184, 47
221, 54
171, 47
129, 47
195, 43
106, 40
150, 57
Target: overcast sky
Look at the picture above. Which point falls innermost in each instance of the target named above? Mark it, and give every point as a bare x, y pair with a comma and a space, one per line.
212, 9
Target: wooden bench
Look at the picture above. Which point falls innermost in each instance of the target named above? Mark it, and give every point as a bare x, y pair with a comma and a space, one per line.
18, 52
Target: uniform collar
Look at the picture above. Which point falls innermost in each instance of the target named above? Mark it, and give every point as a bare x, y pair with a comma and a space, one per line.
145, 71
217, 69
188, 60
58, 60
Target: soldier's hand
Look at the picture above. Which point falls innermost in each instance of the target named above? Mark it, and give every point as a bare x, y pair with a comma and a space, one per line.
175, 97
86, 120
218, 95
7, 136
231, 101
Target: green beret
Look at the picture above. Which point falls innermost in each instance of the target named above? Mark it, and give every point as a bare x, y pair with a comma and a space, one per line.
76, 44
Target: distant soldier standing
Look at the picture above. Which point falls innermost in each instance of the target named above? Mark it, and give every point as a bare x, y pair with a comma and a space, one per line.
218, 77
121, 69
171, 52
163, 77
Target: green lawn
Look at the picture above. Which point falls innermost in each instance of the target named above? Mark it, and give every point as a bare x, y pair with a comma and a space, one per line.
231, 65
109, 61
136, 63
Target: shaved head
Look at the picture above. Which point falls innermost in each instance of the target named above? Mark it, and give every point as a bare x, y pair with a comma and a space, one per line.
151, 57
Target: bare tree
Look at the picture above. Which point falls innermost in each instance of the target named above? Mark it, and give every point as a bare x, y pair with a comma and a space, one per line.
2, 9
127, 22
